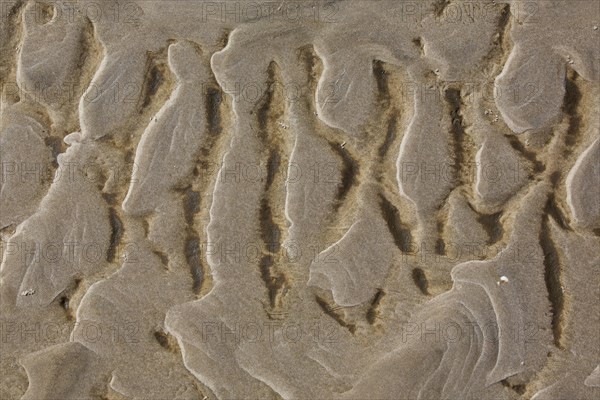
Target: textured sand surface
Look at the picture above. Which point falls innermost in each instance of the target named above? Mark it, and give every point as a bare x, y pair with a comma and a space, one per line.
353, 199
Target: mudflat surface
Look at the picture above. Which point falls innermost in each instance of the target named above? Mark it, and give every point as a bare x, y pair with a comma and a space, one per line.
300, 200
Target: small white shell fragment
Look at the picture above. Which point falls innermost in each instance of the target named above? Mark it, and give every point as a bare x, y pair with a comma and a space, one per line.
503, 279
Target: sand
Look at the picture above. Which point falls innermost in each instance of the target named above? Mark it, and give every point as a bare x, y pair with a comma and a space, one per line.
358, 199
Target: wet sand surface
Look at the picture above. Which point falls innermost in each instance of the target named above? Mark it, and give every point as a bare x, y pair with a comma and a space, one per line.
320, 199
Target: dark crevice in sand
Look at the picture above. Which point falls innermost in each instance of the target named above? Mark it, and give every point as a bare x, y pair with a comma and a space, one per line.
314, 68
349, 172
148, 105
332, 312
166, 341
274, 282
500, 47
116, 233
269, 110
224, 39
454, 101
44, 12
192, 255
271, 237
272, 167
309, 59
373, 312
150, 98
557, 214
440, 247
270, 232
419, 43
517, 388
264, 105
213, 107
555, 179
209, 159
116, 251
64, 299
453, 98
419, 278
129, 154
110, 198
516, 144
57, 146
439, 6
64, 302
164, 258
401, 233
552, 277
493, 227
383, 88
191, 206
390, 135
162, 339
502, 25
155, 79
157, 76
440, 225
8, 230
146, 227
572, 101
14, 20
